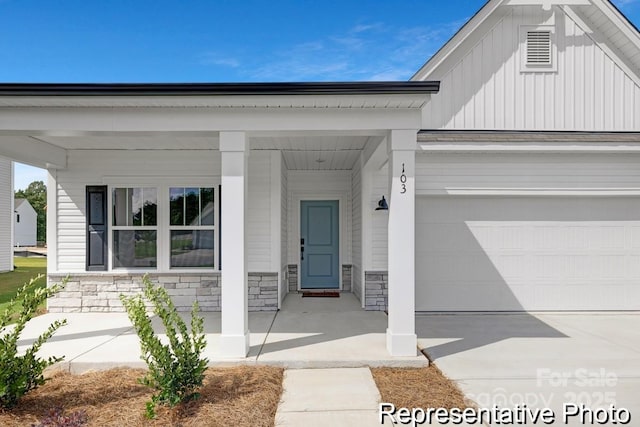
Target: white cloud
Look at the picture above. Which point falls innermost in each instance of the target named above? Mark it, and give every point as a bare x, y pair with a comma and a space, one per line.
363, 52
215, 59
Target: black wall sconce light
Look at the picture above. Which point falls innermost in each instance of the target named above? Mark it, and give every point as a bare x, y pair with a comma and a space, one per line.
382, 205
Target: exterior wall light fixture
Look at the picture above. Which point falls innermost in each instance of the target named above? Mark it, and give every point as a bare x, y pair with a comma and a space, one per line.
382, 205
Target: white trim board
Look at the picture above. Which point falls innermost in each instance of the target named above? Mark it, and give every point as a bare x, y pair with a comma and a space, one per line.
579, 192
164, 230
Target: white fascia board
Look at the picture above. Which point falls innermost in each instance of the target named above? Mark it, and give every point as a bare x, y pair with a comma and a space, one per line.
599, 39
454, 43
546, 4
73, 120
356, 101
33, 152
620, 21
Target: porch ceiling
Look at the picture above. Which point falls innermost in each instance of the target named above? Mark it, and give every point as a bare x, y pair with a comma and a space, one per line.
174, 141
300, 152
326, 152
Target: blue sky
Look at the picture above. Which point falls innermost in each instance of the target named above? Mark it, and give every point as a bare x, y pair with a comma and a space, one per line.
224, 41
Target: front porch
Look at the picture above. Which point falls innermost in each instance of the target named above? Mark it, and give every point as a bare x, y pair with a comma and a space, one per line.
202, 187
305, 333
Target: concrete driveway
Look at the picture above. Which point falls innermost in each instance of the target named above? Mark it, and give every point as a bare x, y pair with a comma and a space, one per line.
541, 360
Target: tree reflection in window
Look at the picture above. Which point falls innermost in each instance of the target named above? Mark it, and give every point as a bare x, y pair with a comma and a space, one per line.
191, 219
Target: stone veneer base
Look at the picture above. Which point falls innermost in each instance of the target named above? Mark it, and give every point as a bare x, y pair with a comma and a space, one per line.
87, 292
375, 290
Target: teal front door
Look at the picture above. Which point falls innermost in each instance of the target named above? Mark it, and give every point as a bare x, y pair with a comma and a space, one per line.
319, 245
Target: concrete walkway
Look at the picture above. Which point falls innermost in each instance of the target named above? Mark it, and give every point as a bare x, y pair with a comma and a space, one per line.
328, 397
543, 360
306, 333
339, 397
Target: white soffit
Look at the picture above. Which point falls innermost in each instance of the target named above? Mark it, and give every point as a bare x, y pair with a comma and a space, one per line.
178, 141
129, 142
388, 101
605, 24
317, 152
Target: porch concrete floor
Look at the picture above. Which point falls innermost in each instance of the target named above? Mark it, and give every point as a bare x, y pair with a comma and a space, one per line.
305, 333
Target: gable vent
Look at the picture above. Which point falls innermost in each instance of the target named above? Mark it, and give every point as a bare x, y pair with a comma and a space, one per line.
538, 47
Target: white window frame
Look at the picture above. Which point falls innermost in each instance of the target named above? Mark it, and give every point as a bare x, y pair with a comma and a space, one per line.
213, 227
525, 67
113, 227
162, 185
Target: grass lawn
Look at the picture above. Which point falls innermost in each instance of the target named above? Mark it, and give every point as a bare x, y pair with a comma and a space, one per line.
26, 268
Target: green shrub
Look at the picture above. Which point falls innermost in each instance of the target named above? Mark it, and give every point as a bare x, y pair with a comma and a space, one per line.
176, 369
22, 373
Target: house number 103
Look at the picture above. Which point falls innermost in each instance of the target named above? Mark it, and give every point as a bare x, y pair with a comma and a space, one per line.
403, 181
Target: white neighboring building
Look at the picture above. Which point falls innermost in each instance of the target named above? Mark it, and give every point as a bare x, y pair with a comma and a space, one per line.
6, 214
25, 225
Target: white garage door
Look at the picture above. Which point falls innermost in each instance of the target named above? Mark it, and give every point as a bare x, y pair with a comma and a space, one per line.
527, 253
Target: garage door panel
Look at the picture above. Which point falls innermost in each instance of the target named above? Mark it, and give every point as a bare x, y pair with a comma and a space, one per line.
527, 253
459, 267
449, 237
635, 237
477, 297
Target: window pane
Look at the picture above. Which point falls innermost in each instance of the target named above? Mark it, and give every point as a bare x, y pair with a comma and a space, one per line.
176, 202
192, 206
192, 248
150, 206
134, 249
120, 206
136, 201
206, 201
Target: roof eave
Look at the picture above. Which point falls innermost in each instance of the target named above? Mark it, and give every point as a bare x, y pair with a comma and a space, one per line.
220, 89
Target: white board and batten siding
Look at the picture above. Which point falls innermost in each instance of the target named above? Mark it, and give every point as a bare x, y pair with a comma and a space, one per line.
484, 87
6, 214
135, 167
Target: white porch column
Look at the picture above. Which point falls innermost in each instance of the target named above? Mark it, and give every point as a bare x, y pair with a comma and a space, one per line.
234, 339
401, 331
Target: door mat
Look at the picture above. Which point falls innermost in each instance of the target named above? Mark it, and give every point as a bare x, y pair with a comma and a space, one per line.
321, 294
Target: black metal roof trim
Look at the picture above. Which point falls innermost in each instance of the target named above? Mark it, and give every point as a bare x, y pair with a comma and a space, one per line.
218, 89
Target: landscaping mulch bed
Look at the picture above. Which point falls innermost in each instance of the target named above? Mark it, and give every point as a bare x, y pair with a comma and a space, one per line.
238, 396
418, 388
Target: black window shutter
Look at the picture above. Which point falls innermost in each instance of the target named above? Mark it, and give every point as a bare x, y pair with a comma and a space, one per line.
96, 228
